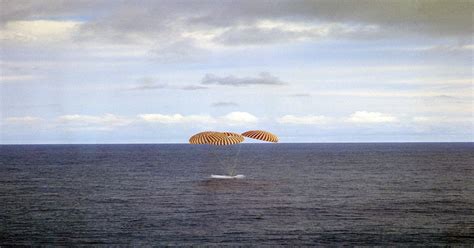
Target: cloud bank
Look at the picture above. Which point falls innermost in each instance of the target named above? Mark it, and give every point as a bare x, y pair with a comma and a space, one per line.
363, 117
233, 118
304, 120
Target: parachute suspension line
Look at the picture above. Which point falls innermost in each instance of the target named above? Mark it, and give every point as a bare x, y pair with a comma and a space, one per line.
232, 169
216, 157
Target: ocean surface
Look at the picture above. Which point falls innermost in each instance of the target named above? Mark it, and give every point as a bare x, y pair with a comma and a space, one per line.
293, 194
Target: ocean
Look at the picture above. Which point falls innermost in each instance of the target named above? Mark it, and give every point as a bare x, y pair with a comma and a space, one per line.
402, 194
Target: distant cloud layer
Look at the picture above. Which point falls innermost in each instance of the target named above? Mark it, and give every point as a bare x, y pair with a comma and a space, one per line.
233, 118
359, 117
304, 120
106, 121
264, 78
371, 117
23, 120
176, 118
111, 123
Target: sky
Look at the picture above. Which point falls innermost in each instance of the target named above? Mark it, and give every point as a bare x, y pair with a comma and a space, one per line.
114, 71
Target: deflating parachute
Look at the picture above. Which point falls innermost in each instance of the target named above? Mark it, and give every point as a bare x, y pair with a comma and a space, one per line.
261, 135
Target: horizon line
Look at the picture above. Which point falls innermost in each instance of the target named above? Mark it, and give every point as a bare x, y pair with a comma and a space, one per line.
174, 143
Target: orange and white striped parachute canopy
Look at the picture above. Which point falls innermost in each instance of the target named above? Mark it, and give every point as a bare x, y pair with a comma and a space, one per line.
206, 137
216, 138
231, 139
261, 135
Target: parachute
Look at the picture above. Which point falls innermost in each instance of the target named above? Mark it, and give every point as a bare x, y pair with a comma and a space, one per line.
261, 135
207, 137
227, 139
216, 138
230, 138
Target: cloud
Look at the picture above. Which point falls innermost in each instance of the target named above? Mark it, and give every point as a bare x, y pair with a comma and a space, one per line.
436, 18
193, 87
25, 9
183, 49
104, 121
167, 86
304, 120
224, 104
445, 97
233, 118
371, 117
187, 30
458, 48
264, 78
194, 31
267, 32
23, 120
39, 31
300, 95
238, 118
111, 121
148, 83
150, 87
176, 118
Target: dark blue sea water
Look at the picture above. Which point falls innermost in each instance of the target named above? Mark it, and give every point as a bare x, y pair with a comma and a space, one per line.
294, 194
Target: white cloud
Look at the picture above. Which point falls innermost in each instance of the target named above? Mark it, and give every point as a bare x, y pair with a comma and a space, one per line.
304, 120
23, 120
106, 120
421, 119
176, 118
239, 118
39, 31
111, 121
442, 119
371, 117
233, 118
